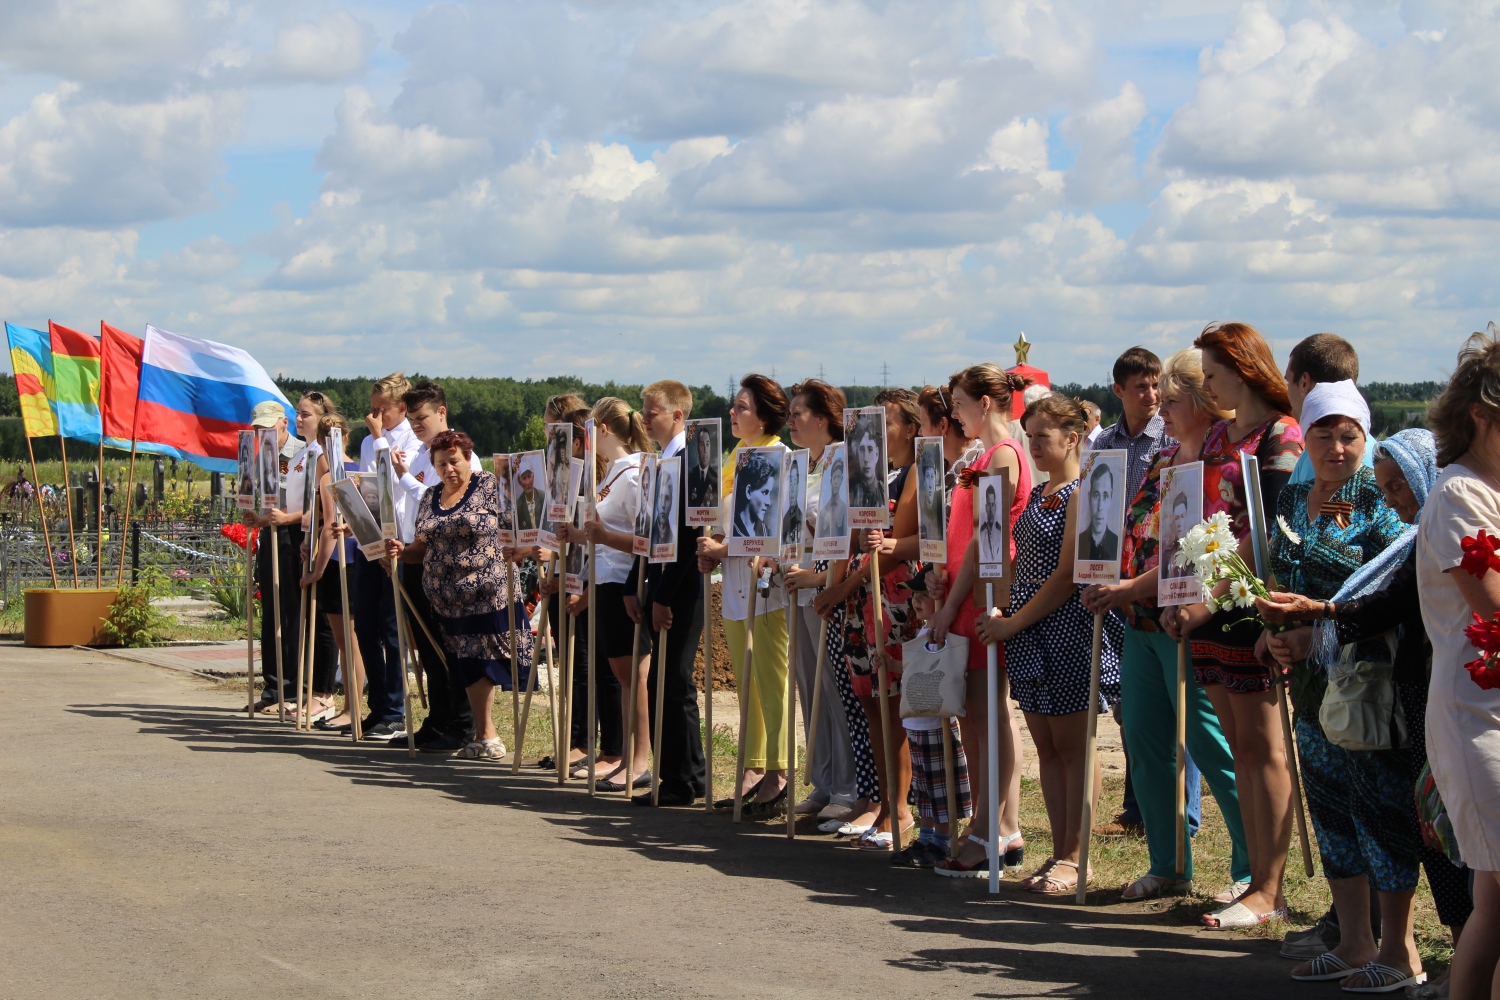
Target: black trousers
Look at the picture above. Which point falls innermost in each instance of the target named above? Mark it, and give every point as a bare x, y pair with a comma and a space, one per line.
447, 704
287, 541
681, 767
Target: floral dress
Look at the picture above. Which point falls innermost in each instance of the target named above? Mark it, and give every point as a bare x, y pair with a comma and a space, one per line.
1143, 540
1227, 655
897, 615
1049, 662
464, 579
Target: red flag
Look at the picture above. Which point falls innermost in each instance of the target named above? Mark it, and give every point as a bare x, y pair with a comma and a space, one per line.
119, 391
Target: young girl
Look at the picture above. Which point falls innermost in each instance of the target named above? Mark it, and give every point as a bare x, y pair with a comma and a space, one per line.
1048, 636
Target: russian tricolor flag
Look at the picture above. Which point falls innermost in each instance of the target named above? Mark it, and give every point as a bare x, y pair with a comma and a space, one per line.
196, 395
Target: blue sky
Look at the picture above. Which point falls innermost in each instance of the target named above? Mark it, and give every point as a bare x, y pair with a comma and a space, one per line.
693, 189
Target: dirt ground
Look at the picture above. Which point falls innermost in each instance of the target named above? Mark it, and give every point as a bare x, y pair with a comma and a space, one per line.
155, 843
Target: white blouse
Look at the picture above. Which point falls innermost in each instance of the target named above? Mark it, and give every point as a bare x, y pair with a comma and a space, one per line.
617, 509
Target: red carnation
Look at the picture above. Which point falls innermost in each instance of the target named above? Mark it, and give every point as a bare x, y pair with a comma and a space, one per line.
1485, 635
1485, 672
1479, 554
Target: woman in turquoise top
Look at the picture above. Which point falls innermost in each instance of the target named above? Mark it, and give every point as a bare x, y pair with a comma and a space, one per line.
1359, 800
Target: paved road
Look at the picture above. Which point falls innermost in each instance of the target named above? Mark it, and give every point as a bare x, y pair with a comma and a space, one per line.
153, 843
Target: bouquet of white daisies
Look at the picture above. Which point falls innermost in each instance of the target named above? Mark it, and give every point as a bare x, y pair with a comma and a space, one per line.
1212, 552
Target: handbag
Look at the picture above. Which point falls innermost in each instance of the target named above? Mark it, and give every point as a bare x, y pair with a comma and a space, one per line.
933, 681
1360, 709
1432, 817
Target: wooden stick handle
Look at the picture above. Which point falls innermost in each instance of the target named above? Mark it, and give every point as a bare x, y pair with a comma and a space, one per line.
591, 660
1182, 668
1291, 760
276, 622
352, 682
746, 685
403, 653
889, 792
1090, 758
992, 748
635, 678
661, 703
793, 614
817, 687
249, 619
708, 692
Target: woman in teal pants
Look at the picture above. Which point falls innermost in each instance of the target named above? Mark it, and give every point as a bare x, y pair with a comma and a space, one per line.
1148, 662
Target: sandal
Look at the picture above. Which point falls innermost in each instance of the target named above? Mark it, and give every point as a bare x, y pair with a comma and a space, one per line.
1154, 886
873, 841
483, 750
1237, 915
1036, 877
952, 867
1054, 886
1014, 857
1384, 978
1325, 967
1233, 893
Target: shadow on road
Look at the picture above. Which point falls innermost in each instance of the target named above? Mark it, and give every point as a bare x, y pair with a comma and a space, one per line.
1014, 935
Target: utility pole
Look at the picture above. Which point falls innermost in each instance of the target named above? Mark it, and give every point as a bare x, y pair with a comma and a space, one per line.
885, 375
821, 376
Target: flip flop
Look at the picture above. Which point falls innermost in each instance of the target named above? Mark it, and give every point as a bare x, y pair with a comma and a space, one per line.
1325, 967
1387, 979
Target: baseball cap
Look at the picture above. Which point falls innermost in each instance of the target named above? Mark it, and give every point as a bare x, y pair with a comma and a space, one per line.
266, 414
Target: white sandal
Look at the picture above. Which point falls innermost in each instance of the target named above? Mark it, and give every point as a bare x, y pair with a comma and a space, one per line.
1155, 886
1325, 967
1237, 916
1387, 979
483, 750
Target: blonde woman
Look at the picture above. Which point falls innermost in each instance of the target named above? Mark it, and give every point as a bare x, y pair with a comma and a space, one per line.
1148, 667
756, 416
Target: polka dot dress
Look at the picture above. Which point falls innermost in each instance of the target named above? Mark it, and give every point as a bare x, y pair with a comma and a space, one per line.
867, 785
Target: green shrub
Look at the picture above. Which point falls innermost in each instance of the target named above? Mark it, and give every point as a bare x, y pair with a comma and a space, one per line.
131, 620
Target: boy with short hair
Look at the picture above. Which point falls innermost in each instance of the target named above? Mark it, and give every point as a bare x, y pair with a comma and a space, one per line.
1323, 357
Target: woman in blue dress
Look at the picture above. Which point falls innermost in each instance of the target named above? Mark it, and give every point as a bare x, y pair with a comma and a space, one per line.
1048, 636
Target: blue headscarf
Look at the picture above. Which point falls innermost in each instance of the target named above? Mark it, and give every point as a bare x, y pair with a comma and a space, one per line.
1415, 451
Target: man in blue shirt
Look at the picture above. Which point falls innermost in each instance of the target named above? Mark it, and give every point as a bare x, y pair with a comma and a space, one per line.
1323, 357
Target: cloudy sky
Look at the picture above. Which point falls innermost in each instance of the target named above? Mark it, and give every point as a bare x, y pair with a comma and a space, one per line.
641, 189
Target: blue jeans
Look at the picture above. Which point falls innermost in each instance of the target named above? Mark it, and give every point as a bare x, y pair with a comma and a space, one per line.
375, 630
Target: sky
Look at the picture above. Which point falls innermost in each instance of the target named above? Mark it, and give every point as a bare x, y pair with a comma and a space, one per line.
878, 191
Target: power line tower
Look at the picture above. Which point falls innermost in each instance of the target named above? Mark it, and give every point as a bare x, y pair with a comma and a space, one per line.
733, 384
885, 375
821, 376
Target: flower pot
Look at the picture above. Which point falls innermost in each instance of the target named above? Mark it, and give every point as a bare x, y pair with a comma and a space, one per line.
67, 617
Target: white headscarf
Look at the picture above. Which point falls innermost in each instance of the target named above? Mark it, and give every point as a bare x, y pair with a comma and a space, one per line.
1335, 399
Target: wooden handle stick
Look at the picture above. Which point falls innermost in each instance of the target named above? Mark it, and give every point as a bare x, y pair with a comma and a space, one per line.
661, 702
531, 682
1291, 759
1182, 668
312, 654
821, 662
302, 623
950, 775
249, 618
1090, 757
551, 657
885, 707
403, 653
276, 623
591, 658
992, 750
515, 664
565, 626
708, 690
791, 718
747, 680
635, 678
351, 681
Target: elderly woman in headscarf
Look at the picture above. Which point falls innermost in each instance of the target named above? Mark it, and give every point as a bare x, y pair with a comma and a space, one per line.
1336, 543
1382, 596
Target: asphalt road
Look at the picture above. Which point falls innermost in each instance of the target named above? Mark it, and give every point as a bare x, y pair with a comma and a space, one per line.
155, 843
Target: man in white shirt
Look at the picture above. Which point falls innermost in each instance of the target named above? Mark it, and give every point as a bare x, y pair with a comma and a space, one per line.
375, 607
286, 530
1092, 411
450, 722
674, 601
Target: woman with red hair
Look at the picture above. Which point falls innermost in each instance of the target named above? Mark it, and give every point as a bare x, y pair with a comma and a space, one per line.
1240, 376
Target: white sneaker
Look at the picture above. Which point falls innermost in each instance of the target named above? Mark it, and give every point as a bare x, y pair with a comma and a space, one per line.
808, 806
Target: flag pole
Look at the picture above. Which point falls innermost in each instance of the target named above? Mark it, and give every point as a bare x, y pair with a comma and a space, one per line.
41, 510
99, 514
72, 542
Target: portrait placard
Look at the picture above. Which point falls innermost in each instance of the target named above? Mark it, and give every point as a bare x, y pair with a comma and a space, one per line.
864, 445
365, 483
1101, 517
385, 490
547, 535
336, 468
309, 492
506, 535
351, 503
664, 509
831, 539
295, 479
269, 488
248, 470
795, 531
705, 462
642, 544
573, 582
932, 517
528, 496
992, 500
312, 522
559, 452
590, 442
753, 525
1181, 508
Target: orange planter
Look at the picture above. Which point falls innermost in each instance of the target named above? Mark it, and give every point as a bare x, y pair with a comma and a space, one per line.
67, 617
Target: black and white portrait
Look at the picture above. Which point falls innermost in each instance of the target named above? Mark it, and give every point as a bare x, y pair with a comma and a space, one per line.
527, 495
864, 446
559, 453
794, 504
704, 463
992, 514
1100, 539
664, 520
931, 513
757, 499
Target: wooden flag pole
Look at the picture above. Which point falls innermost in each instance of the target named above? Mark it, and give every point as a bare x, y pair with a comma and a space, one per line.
708, 689
635, 678
992, 749
515, 664
1090, 757
746, 680
62, 443
403, 651
250, 619
821, 661
41, 510
950, 776
793, 613
661, 702
885, 709
127, 503
276, 622
1182, 668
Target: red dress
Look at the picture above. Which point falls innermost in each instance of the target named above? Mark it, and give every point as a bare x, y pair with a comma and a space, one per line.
961, 532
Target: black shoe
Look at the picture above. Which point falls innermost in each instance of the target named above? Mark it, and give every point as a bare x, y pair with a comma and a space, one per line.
426, 734
917, 855
441, 743
385, 732
546, 763
665, 797
749, 794
644, 781
770, 807
324, 725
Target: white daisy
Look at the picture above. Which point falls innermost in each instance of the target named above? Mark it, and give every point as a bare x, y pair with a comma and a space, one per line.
1286, 529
